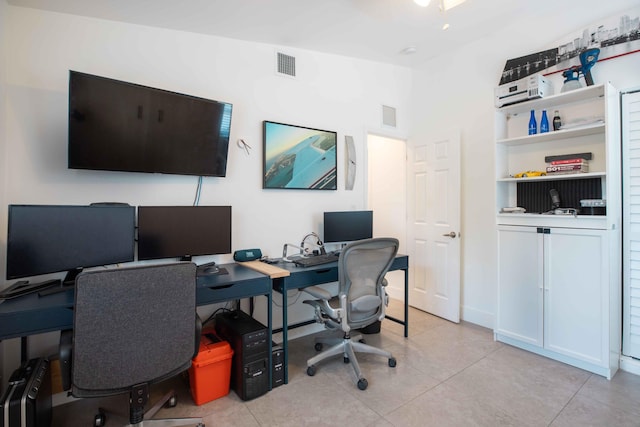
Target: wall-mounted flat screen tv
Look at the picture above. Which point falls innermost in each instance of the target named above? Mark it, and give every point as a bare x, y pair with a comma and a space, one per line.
297, 157
120, 126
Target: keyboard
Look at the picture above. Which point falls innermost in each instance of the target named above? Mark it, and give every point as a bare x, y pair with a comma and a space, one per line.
316, 260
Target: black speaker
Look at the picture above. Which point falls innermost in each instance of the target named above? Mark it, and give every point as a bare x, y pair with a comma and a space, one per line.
247, 255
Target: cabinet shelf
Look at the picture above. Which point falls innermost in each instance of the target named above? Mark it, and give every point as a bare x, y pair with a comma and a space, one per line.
555, 177
594, 107
563, 98
551, 136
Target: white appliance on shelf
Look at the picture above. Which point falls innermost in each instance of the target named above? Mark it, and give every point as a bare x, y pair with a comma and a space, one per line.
531, 87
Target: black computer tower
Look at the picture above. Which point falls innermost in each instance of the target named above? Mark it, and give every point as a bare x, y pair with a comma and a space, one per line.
250, 363
277, 365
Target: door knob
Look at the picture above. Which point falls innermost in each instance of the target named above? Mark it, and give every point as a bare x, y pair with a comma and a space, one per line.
451, 234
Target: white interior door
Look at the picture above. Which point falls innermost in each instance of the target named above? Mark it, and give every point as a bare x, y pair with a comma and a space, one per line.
434, 225
387, 197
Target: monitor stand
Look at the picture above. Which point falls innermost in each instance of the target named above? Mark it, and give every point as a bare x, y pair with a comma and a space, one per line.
67, 283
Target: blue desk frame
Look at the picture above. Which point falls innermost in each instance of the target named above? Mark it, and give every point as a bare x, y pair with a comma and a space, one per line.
302, 277
32, 314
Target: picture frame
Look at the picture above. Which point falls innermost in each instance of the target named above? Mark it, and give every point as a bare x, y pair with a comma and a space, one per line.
298, 157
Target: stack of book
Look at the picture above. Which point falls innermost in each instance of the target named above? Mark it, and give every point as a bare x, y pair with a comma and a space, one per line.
577, 165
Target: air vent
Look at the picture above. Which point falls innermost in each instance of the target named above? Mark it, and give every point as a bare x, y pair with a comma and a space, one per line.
388, 116
286, 64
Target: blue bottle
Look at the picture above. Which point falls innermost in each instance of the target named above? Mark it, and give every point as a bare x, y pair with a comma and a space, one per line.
533, 125
544, 122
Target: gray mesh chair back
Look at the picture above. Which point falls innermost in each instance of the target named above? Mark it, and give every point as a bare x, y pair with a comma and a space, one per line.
360, 302
362, 267
132, 326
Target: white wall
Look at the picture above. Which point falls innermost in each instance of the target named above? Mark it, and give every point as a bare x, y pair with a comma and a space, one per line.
331, 92
456, 91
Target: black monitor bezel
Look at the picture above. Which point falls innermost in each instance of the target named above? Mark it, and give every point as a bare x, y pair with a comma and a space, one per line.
145, 252
89, 236
351, 235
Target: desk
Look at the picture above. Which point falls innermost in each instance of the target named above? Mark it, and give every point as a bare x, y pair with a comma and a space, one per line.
301, 277
31, 314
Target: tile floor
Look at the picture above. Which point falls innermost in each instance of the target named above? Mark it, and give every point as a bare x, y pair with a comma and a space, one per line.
447, 375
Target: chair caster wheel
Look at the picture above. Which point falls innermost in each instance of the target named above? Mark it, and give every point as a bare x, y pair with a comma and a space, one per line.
392, 362
172, 402
345, 360
311, 370
100, 419
318, 346
362, 384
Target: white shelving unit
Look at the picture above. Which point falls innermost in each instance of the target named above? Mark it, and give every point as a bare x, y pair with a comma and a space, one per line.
559, 284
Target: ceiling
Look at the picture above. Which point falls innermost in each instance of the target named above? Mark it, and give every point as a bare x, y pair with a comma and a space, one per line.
378, 30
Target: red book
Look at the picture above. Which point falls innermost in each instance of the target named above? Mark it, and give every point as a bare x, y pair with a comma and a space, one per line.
568, 161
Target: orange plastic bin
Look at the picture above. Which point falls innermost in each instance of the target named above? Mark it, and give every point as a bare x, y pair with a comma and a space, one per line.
210, 371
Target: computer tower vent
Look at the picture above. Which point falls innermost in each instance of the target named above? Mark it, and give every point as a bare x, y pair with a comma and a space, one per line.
388, 116
285, 64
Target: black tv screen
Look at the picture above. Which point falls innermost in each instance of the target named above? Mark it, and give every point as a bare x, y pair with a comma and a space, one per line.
183, 231
120, 126
347, 226
49, 238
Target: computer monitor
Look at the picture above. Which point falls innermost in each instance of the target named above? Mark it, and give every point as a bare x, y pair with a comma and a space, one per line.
183, 231
347, 226
51, 238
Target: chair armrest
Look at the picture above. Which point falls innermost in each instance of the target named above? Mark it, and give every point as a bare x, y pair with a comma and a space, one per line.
198, 337
64, 352
318, 292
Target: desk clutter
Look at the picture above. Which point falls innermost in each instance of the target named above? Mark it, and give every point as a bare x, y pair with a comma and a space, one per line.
234, 355
245, 352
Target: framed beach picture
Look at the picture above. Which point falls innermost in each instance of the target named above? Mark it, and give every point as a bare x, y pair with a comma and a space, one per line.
297, 157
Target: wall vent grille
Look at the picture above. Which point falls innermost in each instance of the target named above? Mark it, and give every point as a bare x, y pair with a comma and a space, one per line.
286, 64
388, 116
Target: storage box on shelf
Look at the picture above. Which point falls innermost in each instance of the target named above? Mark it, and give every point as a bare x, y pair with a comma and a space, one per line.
558, 284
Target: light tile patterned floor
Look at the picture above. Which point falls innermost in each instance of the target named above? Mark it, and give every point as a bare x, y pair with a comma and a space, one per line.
447, 375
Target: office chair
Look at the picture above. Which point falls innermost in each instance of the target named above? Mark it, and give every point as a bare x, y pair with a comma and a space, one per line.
360, 302
132, 327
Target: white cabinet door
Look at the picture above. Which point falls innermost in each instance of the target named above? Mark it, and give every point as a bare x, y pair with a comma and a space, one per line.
520, 284
576, 297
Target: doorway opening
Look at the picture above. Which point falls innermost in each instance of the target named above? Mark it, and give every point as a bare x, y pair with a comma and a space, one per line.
387, 197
